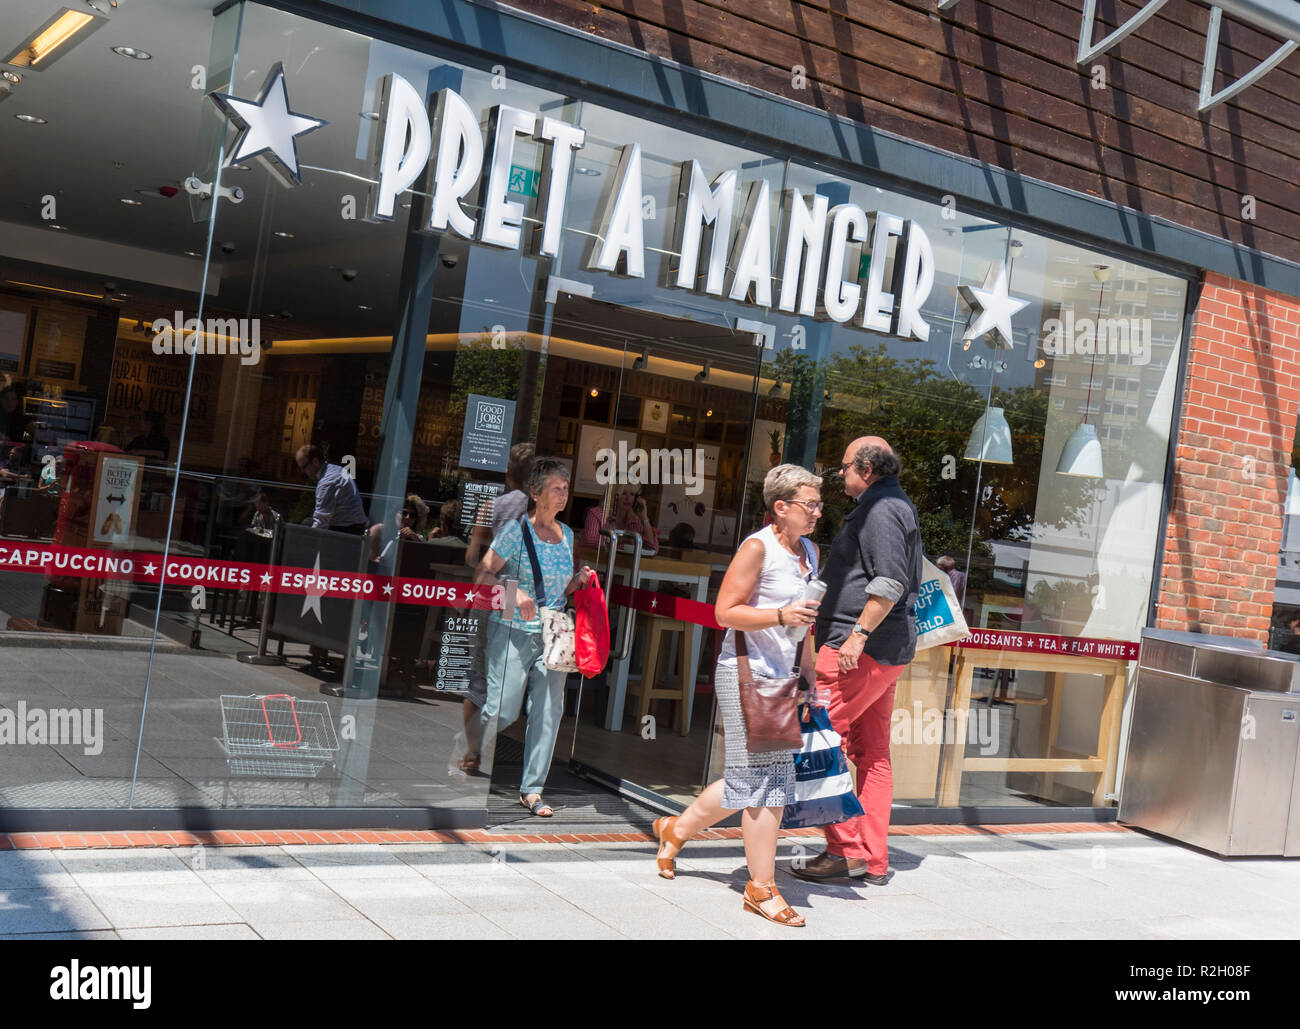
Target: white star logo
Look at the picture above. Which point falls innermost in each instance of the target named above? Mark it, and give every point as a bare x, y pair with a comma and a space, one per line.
311, 602
654, 604
470, 597
268, 129
150, 568
994, 305
387, 589
266, 578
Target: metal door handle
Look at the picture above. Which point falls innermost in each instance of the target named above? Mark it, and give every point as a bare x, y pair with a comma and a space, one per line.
622, 648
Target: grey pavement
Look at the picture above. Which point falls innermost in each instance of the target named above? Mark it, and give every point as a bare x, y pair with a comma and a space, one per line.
1039, 886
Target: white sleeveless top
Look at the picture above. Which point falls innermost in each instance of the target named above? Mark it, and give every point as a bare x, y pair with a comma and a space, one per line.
772, 653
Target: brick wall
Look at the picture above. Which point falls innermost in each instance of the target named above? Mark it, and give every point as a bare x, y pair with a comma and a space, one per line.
1234, 450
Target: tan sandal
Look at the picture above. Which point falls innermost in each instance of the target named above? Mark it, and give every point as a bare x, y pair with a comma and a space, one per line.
664, 833
754, 898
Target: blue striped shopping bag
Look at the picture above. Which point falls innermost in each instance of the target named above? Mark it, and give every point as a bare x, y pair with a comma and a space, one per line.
823, 787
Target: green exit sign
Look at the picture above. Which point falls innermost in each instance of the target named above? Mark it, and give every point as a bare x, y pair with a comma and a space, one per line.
523, 181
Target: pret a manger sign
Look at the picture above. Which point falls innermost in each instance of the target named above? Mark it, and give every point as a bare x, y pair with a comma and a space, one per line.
441, 154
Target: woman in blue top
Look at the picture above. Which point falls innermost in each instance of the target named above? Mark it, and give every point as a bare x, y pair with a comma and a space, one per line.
514, 644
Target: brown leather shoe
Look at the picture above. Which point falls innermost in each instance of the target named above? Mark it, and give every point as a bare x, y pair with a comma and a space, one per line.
827, 866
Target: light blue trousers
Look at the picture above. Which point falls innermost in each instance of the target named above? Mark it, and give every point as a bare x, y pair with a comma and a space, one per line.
515, 671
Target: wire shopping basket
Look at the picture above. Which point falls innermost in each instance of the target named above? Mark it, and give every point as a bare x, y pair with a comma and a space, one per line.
277, 735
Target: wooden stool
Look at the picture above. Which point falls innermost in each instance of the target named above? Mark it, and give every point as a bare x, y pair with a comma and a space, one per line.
645, 689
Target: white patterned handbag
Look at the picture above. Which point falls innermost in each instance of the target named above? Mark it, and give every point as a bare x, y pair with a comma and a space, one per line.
559, 640
559, 630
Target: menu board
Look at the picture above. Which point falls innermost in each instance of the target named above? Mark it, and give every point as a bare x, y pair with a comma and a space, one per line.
60, 337
13, 334
476, 503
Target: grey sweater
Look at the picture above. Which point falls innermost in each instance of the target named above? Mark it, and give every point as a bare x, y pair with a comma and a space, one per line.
877, 551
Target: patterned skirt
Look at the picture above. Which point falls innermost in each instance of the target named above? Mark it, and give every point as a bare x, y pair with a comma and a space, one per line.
750, 780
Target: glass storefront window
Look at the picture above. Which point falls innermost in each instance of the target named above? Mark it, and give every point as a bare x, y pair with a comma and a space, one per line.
415, 362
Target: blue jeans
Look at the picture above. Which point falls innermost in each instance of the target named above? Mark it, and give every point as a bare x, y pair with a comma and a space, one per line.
515, 669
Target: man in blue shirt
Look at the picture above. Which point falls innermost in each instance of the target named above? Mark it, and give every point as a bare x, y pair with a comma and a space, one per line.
338, 502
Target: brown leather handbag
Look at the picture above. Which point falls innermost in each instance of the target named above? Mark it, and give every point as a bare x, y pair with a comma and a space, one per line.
770, 707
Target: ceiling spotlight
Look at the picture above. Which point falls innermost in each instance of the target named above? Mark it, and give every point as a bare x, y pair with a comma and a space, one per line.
30, 119
595, 392
1101, 272
12, 76
708, 413
133, 52
284, 235
95, 5
192, 253
587, 171
640, 363
1040, 363
703, 374
60, 228
370, 115
364, 307
131, 203
1016, 248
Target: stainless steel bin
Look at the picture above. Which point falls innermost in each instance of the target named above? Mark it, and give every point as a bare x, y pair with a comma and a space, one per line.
1213, 743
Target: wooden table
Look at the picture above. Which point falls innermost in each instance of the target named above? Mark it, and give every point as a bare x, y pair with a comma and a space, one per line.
656, 569
1101, 763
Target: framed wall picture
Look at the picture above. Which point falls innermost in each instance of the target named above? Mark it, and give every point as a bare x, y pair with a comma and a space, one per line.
654, 416
591, 442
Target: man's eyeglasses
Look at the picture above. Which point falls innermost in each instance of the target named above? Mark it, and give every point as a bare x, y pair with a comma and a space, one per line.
844, 467
813, 506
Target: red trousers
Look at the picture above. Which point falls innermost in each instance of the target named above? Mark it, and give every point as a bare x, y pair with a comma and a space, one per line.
861, 707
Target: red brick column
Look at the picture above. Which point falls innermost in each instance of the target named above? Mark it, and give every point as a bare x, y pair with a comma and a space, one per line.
1238, 424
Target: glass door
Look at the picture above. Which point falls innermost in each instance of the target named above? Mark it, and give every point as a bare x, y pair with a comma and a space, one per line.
656, 414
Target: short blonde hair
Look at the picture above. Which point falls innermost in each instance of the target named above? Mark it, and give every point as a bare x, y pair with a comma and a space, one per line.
784, 481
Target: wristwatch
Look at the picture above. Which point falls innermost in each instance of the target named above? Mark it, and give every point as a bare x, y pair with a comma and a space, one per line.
860, 631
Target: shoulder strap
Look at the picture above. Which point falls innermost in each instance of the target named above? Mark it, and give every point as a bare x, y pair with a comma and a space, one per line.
810, 552
539, 584
742, 659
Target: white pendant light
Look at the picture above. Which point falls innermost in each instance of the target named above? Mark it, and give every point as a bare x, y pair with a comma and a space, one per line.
1082, 454
990, 439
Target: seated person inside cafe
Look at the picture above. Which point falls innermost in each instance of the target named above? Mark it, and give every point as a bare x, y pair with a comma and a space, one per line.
631, 513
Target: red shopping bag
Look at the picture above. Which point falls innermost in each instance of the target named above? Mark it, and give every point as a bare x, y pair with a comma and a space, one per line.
592, 628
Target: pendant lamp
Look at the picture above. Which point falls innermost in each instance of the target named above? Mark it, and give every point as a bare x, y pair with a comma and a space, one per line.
990, 439
1081, 455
